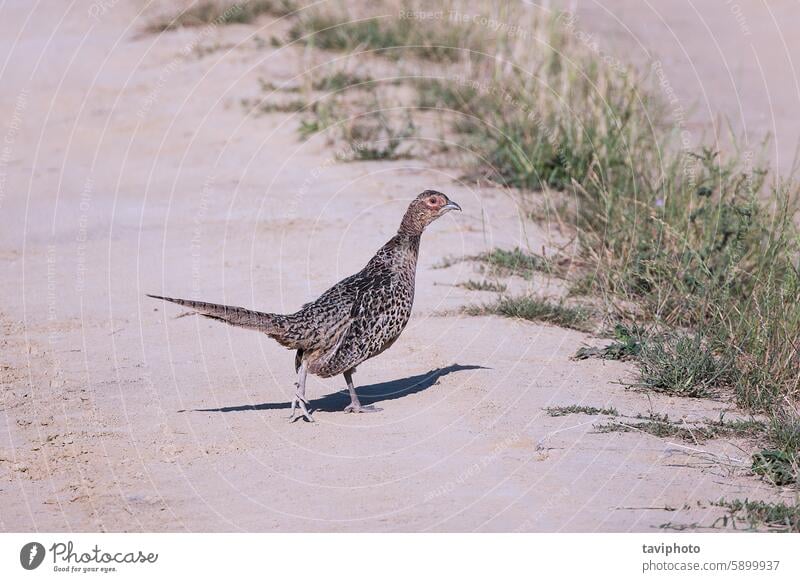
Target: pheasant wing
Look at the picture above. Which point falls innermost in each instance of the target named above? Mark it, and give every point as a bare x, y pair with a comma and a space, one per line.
379, 313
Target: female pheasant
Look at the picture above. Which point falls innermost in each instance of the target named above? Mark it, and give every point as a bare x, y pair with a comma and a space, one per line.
356, 319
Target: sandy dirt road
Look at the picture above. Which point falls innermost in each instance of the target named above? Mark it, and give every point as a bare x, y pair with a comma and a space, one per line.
727, 66
129, 167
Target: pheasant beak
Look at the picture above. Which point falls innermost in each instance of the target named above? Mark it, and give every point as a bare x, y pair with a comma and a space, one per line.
450, 206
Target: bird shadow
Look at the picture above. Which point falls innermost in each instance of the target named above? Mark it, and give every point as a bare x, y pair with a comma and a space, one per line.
370, 394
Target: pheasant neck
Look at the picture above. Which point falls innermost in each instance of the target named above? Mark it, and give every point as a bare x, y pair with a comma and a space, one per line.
403, 250
411, 226
406, 242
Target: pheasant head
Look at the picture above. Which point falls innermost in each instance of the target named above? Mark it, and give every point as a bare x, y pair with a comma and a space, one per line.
423, 210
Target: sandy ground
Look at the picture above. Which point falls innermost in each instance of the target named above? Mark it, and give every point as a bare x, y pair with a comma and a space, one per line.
129, 167
725, 66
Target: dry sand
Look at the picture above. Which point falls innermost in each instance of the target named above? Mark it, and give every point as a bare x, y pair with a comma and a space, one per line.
725, 66
128, 168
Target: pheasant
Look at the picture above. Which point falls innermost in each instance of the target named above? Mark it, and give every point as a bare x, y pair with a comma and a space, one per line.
356, 319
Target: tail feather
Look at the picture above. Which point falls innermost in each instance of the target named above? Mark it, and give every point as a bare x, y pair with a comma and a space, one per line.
237, 316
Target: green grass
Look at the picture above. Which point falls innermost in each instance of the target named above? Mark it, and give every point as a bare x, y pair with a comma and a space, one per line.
341, 80
628, 345
258, 106
378, 133
448, 261
377, 136
324, 113
392, 35
749, 427
536, 309
660, 425
518, 262
682, 366
777, 466
780, 463
775, 516
435, 93
684, 237
321, 115
270, 87
484, 286
655, 428
579, 409
702, 243
503, 262
212, 12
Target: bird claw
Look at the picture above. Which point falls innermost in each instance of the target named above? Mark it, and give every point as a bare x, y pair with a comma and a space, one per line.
358, 408
300, 402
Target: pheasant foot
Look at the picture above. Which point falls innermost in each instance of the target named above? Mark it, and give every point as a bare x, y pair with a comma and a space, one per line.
299, 405
299, 401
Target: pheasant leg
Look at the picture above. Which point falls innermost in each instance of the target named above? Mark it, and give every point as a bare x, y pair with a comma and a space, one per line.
355, 405
299, 400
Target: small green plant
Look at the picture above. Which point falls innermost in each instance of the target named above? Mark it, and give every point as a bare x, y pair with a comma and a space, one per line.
660, 425
221, 13
741, 427
775, 516
504, 262
448, 261
777, 466
536, 309
320, 116
627, 347
374, 136
580, 409
270, 87
780, 464
683, 366
203, 50
340, 80
263, 107
483, 286
377, 134
392, 36
433, 93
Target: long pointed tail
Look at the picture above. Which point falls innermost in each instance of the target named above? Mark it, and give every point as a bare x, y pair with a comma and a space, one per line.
238, 316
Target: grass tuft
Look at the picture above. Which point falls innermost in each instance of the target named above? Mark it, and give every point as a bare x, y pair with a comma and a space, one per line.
380, 133
579, 409
395, 36
376, 136
484, 286
322, 115
340, 80
682, 366
777, 466
504, 262
264, 107
780, 464
434, 93
660, 425
776, 516
627, 347
211, 12
536, 309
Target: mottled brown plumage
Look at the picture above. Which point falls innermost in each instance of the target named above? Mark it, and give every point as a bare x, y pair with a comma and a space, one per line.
356, 319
